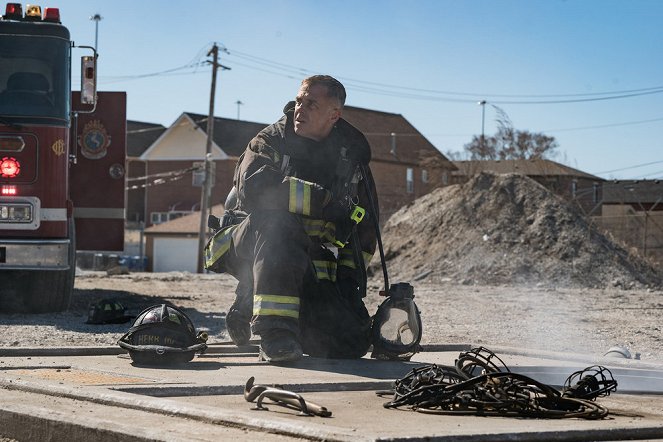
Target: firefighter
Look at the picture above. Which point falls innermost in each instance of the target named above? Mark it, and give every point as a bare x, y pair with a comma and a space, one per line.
296, 236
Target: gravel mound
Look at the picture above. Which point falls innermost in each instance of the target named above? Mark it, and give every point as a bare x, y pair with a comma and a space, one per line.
506, 229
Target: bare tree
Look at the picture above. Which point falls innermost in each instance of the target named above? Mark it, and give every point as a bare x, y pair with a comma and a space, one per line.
511, 144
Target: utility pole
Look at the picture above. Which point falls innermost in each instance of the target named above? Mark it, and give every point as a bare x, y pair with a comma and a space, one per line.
482, 103
97, 18
207, 182
238, 103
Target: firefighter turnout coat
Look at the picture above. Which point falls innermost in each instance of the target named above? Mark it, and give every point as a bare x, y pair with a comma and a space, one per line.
304, 237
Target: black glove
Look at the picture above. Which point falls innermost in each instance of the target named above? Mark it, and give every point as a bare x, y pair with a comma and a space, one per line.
336, 212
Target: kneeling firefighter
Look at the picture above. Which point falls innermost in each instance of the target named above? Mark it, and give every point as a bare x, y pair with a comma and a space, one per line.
296, 238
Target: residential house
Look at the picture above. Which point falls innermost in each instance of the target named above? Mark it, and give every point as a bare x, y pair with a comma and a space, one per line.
405, 165
632, 211
173, 164
572, 184
173, 245
140, 136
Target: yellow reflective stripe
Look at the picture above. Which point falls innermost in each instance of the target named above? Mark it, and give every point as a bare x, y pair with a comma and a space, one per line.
367, 257
219, 245
292, 201
313, 227
347, 263
274, 312
299, 201
276, 305
307, 200
277, 298
319, 228
325, 269
346, 258
329, 232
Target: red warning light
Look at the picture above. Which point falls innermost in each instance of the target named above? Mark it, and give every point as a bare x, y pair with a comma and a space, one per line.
9, 167
8, 191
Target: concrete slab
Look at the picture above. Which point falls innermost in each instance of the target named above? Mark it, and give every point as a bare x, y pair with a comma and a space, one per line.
98, 392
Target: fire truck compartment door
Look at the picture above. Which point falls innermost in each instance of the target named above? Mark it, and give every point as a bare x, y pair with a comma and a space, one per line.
98, 177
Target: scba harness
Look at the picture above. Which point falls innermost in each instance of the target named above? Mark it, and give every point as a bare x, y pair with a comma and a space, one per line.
162, 335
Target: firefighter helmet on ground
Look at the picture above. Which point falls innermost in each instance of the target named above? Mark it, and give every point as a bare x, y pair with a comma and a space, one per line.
161, 335
107, 312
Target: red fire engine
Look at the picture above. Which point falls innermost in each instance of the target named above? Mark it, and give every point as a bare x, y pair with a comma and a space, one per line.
61, 161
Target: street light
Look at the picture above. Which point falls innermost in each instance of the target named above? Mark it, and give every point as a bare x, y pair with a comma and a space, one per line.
238, 103
97, 18
482, 103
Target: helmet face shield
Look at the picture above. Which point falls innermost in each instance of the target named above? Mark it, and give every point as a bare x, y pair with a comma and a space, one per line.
397, 325
162, 335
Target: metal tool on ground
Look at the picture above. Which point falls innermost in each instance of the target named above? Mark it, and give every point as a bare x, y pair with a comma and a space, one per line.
281, 397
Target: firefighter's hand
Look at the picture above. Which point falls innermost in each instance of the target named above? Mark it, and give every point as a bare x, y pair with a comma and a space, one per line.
336, 212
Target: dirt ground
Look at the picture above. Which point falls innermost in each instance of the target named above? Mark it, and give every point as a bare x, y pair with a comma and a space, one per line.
587, 321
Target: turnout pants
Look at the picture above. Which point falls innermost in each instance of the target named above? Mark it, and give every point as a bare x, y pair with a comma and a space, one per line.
292, 280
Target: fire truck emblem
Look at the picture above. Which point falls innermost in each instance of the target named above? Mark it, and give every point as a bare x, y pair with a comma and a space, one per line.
94, 140
58, 147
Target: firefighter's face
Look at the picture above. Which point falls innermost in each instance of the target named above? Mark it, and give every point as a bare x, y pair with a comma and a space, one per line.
315, 112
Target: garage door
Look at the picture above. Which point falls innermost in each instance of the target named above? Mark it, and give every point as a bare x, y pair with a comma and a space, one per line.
175, 254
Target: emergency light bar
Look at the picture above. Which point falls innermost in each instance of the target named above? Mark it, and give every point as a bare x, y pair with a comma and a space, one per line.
14, 11
33, 12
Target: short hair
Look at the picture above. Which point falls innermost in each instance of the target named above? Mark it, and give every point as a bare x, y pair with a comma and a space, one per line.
334, 87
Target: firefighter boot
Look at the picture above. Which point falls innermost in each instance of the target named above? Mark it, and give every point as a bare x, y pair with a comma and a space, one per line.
238, 319
279, 345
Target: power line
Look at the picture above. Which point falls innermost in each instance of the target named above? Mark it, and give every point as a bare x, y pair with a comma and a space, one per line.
304, 71
601, 126
294, 72
631, 167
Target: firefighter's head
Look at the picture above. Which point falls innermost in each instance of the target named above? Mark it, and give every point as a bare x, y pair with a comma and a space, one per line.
318, 106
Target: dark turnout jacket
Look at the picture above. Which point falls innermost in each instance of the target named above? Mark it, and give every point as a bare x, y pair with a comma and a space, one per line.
282, 171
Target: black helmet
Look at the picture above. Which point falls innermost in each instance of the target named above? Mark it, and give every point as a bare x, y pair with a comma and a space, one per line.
161, 335
107, 312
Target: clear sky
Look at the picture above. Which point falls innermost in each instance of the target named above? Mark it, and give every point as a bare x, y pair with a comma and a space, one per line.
588, 72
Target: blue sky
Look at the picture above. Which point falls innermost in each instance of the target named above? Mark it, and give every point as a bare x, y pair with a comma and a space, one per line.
429, 60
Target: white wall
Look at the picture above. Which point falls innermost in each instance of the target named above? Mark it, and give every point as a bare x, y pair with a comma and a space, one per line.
175, 254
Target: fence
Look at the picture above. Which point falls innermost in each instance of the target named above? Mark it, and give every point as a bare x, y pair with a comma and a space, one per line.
642, 231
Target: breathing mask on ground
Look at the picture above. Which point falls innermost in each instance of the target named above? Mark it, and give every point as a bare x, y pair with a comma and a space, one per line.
397, 325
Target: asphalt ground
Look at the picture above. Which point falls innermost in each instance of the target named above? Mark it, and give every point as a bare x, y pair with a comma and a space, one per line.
98, 393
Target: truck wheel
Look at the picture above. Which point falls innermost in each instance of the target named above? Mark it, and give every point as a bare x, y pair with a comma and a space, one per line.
51, 291
15, 284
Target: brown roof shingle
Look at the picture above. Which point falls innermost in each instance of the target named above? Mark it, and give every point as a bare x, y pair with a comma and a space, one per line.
406, 145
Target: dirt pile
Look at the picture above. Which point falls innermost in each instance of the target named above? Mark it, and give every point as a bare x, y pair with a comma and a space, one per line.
505, 229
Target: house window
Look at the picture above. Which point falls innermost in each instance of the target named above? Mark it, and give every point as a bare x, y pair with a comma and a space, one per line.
574, 188
162, 217
198, 174
409, 180
424, 176
595, 192
445, 178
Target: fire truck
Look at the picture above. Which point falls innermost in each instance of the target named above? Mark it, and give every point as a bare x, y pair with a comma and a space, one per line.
62, 161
